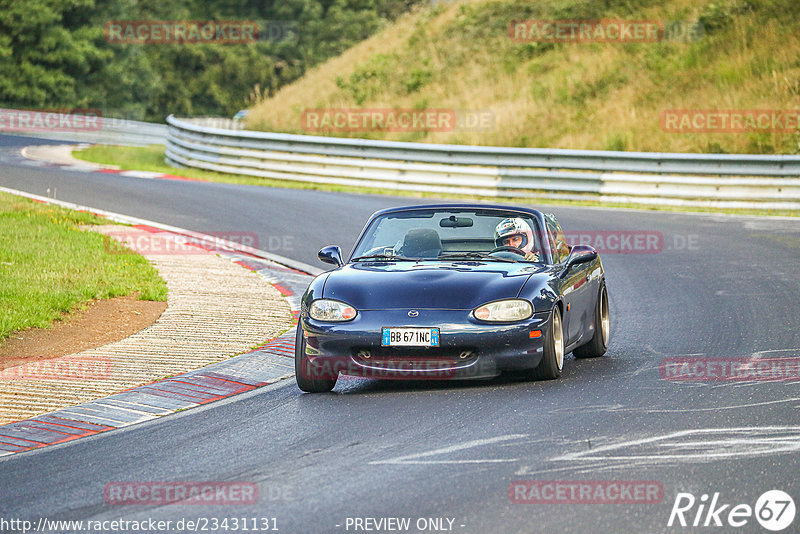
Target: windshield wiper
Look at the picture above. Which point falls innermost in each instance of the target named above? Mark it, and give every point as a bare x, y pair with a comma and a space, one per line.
381, 257
474, 255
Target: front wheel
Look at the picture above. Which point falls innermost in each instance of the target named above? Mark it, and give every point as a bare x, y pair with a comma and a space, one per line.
553, 359
303, 371
602, 326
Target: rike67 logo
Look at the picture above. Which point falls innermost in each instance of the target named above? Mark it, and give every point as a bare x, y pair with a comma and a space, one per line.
774, 510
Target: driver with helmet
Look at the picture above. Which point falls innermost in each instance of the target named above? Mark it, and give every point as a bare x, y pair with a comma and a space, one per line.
515, 232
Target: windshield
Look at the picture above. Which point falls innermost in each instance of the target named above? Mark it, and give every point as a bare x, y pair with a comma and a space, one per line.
450, 234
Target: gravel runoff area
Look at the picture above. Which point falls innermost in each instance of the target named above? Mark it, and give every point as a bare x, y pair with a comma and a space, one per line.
215, 309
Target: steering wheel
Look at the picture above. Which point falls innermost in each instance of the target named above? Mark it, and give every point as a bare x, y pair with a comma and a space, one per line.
507, 248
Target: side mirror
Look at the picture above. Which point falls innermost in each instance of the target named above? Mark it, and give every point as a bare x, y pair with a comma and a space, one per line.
331, 254
579, 254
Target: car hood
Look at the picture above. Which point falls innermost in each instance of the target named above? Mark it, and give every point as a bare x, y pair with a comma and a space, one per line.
444, 285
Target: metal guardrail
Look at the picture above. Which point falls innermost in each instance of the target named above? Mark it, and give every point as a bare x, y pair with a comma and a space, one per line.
719, 180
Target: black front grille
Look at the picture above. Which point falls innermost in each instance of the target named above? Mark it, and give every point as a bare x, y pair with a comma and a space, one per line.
456, 356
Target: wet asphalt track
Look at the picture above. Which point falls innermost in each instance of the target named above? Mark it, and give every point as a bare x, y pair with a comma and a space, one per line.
719, 287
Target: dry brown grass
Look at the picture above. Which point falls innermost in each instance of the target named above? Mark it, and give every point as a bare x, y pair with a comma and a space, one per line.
595, 96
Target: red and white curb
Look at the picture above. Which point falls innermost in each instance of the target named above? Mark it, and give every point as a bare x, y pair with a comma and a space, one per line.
267, 364
60, 156
147, 175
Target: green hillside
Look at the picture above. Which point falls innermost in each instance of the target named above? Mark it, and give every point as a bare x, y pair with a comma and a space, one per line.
743, 55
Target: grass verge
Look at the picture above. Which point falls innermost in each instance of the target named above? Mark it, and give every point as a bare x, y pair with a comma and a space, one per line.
50, 267
151, 158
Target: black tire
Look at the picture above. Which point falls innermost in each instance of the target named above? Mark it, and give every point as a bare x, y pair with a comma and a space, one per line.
602, 329
553, 359
301, 368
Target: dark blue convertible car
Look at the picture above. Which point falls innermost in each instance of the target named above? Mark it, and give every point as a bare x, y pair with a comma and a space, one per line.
452, 291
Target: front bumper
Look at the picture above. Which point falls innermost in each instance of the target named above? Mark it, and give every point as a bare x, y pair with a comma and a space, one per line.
467, 348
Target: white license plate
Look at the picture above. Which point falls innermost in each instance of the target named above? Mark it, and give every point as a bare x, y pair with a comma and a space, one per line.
410, 337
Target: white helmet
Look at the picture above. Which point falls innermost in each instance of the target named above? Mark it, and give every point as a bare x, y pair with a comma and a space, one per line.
511, 227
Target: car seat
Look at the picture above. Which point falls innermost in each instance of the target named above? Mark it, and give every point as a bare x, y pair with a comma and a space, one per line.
421, 243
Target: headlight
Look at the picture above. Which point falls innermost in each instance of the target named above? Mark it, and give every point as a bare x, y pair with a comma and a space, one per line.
504, 311
331, 310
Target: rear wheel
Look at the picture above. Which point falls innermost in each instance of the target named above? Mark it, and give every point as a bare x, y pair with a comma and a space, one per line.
553, 359
303, 371
602, 328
